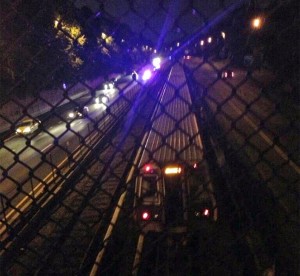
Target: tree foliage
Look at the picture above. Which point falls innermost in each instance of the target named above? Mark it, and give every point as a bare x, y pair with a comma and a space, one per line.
45, 44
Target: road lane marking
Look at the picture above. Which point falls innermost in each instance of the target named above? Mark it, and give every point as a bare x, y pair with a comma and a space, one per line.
27, 200
36, 191
10, 138
50, 145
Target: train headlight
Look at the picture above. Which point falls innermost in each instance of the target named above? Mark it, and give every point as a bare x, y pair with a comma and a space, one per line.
173, 170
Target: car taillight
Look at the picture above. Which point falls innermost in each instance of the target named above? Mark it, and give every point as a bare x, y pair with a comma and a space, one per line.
146, 215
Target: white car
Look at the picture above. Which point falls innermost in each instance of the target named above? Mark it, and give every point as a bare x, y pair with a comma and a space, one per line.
102, 99
78, 112
108, 85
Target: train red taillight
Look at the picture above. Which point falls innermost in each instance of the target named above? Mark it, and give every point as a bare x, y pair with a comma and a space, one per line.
146, 215
148, 168
206, 212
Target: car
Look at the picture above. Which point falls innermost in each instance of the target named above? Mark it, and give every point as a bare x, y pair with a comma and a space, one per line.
27, 126
78, 112
227, 74
134, 75
108, 85
102, 99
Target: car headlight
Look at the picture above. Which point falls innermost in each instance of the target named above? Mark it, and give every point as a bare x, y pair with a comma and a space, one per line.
147, 75
27, 129
104, 100
156, 62
71, 115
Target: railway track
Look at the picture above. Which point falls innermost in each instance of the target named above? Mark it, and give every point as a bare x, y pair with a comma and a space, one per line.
145, 249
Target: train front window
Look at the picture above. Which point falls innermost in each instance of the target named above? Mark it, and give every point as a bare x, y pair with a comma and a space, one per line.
149, 186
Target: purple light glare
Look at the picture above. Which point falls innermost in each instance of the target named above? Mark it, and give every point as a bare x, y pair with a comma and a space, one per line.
147, 75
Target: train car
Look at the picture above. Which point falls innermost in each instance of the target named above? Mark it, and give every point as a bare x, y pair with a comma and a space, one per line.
149, 199
167, 198
176, 195
202, 205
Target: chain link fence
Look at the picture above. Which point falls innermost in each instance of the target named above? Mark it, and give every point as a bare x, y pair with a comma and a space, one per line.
114, 165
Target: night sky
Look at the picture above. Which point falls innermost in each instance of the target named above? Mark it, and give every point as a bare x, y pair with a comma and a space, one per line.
160, 21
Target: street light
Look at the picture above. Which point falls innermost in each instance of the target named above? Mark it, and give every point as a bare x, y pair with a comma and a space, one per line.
256, 23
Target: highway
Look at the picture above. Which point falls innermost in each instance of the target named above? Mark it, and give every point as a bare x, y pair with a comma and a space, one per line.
103, 182
90, 220
32, 166
253, 126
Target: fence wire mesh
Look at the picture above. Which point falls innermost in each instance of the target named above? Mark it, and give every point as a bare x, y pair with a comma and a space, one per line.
115, 164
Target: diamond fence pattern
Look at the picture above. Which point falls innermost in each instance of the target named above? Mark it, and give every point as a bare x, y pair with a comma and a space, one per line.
192, 172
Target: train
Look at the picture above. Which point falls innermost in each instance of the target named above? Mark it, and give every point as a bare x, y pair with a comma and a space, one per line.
168, 197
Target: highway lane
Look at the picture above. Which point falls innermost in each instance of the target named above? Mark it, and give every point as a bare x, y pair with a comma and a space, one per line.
20, 155
29, 171
254, 126
247, 98
75, 221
